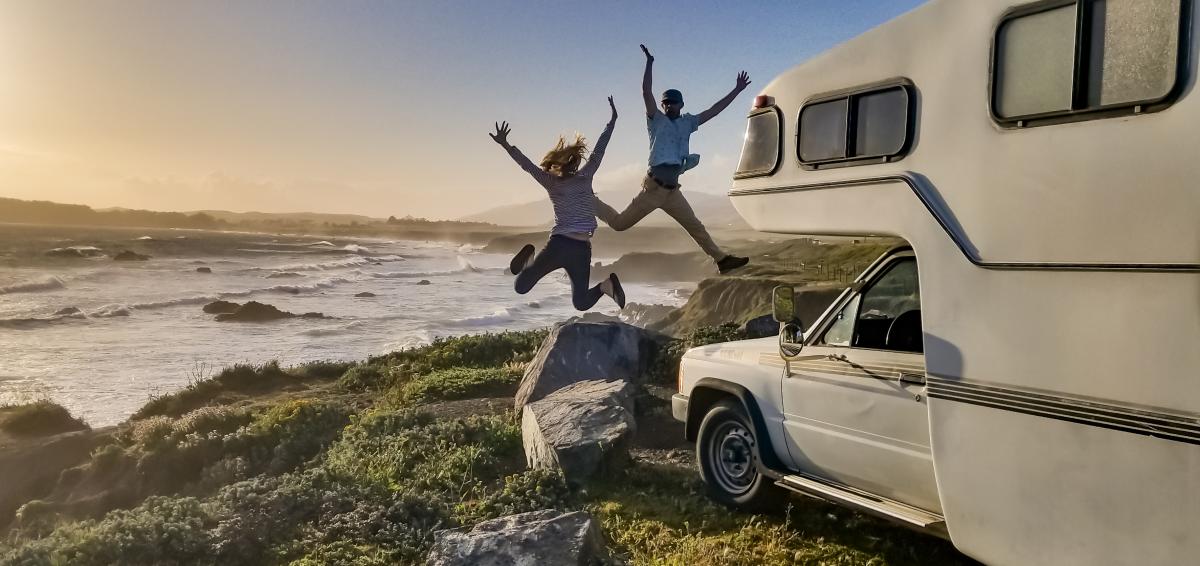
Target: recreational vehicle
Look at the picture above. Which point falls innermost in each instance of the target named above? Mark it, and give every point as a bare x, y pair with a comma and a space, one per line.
1021, 377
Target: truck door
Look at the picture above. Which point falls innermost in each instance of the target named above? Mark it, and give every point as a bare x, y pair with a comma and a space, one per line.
854, 400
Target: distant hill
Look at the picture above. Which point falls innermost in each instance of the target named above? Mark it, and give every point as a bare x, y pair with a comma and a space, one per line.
45, 212
714, 210
314, 217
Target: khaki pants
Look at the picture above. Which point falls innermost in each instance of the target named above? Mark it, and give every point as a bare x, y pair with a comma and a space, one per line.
671, 201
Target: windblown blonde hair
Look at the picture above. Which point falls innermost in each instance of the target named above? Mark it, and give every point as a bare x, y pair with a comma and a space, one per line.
567, 157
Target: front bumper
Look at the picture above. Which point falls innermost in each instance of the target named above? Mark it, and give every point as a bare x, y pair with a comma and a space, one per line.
679, 407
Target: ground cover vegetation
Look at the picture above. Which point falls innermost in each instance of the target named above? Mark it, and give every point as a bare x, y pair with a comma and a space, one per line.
39, 418
356, 464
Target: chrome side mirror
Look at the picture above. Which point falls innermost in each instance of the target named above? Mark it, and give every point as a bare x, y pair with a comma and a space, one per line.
791, 330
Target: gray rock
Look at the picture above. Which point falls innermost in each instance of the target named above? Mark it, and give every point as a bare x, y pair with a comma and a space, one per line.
581, 430
365, 294
130, 256
424, 282
581, 351
540, 538
203, 270
761, 327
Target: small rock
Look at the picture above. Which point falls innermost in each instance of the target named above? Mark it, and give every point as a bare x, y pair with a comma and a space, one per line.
254, 311
365, 294
581, 430
549, 537
203, 270
220, 307
68, 311
424, 282
130, 256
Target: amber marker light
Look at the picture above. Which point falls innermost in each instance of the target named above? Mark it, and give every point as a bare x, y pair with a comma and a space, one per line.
763, 101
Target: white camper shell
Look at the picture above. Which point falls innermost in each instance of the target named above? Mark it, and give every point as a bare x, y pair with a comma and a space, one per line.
1024, 378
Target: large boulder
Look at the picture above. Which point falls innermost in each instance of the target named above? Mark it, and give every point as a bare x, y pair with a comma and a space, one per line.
581, 430
582, 351
547, 537
255, 311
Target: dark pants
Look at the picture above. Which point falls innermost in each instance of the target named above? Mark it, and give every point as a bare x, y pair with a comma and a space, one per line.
573, 255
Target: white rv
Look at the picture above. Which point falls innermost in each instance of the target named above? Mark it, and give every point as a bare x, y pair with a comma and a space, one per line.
1024, 376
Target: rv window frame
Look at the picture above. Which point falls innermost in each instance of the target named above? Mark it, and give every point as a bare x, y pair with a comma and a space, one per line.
1080, 73
778, 145
850, 94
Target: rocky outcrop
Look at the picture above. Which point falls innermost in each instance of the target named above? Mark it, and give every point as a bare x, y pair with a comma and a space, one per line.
424, 282
203, 270
255, 311
720, 300
582, 351
220, 307
365, 294
130, 256
658, 267
547, 537
581, 430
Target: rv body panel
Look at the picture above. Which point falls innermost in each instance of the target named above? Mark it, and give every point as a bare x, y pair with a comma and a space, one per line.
1060, 293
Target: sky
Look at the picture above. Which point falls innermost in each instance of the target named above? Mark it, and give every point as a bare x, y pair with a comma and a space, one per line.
371, 107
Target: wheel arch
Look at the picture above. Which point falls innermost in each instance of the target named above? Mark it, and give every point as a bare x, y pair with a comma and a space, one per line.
708, 392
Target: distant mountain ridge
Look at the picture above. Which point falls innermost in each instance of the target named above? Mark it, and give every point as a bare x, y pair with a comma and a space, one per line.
714, 210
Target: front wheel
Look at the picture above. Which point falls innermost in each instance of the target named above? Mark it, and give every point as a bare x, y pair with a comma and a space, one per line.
726, 450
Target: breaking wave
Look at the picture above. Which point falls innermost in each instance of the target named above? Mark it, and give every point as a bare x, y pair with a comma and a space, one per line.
338, 264
44, 284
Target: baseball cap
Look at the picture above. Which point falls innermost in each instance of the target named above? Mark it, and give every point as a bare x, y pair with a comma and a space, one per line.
672, 95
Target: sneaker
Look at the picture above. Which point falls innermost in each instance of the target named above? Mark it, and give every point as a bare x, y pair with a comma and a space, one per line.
612, 288
730, 263
521, 260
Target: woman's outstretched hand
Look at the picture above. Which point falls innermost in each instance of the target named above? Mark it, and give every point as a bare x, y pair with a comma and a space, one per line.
743, 81
502, 130
649, 57
614, 109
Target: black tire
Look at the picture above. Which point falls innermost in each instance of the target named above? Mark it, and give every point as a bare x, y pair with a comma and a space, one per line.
727, 453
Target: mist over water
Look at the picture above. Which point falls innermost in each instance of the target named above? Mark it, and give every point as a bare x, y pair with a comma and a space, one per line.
101, 336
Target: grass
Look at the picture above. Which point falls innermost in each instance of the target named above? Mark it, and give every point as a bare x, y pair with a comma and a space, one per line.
309, 481
458, 383
40, 418
659, 514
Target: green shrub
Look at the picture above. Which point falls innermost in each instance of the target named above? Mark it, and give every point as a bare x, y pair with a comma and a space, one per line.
41, 418
665, 366
244, 379
530, 490
364, 377
321, 369
474, 350
457, 383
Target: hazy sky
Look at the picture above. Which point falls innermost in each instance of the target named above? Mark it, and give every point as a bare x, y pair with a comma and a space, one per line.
376, 108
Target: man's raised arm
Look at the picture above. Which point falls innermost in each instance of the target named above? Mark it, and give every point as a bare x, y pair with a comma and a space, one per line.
743, 81
647, 86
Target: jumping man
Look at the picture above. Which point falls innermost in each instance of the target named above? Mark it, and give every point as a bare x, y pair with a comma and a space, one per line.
669, 158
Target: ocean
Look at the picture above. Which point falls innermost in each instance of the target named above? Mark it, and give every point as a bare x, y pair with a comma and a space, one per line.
101, 336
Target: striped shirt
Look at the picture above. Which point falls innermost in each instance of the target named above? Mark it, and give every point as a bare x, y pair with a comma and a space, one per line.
572, 197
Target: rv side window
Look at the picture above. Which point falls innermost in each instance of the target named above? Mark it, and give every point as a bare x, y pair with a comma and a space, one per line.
760, 151
1076, 60
869, 125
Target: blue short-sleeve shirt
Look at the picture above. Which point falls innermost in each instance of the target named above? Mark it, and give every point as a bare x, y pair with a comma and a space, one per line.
669, 138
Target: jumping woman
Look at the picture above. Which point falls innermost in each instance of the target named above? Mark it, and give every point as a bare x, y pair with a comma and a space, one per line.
570, 189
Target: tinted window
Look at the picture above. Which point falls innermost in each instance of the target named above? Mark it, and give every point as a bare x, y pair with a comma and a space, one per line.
881, 122
1077, 58
823, 130
760, 151
1036, 63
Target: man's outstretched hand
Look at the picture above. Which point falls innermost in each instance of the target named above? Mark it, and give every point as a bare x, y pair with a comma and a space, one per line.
614, 109
743, 81
649, 57
502, 130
